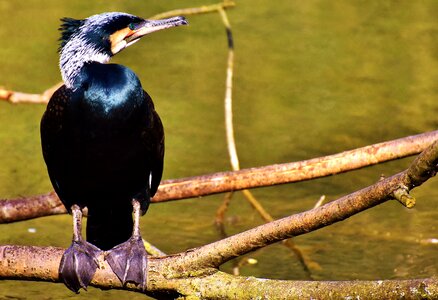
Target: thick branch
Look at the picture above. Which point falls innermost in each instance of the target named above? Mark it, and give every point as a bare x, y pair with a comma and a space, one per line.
25, 262
225, 286
41, 263
49, 204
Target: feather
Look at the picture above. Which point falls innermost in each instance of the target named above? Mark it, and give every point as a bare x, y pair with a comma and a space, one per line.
68, 27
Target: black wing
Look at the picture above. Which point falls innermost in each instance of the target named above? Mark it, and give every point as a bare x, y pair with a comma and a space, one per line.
51, 129
57, 149
153, 138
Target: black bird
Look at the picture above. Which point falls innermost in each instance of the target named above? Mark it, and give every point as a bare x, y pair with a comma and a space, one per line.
103, 144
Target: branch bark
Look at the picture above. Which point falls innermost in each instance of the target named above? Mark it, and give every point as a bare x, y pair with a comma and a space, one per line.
20, 97
197, 186
27, 262
295, 171
194, 272
196, 10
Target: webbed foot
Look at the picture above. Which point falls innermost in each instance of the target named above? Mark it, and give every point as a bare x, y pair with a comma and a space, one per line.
78, 265
128, 261
80, 260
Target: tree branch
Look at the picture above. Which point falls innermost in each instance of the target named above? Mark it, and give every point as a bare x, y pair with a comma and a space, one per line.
19, 97
49, 204
41, 263
190, 272
196, 10
296, 171
215, 254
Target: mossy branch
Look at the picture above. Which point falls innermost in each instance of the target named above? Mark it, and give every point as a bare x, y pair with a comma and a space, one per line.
41, 263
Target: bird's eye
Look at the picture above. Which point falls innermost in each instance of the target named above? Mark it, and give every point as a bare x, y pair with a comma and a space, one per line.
131, 26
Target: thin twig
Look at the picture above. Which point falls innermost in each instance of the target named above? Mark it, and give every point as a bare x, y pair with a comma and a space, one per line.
220, 214
195, 10
231, 143
320, 201
19, 97
152, 250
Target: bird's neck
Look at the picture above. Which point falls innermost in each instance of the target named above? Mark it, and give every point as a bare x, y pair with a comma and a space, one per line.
74, 55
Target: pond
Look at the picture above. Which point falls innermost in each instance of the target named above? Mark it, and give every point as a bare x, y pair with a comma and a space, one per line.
311, 78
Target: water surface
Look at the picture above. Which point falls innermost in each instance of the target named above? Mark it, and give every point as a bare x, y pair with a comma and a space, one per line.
312, 78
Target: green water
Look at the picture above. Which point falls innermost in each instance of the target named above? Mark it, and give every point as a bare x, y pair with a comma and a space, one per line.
311, 78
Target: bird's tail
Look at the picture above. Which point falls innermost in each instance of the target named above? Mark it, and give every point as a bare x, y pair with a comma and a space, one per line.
108, 227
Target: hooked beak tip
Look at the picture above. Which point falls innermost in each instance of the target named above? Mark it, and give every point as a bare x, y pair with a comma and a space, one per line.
184, 21
149, 26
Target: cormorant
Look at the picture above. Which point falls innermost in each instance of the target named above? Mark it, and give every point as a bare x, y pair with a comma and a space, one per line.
103, 144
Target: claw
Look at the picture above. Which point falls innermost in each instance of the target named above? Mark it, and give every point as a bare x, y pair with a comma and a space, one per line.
78, 265
128, 261
80, 260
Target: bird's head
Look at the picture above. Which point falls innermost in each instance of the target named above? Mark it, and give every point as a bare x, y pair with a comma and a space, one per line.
101, 36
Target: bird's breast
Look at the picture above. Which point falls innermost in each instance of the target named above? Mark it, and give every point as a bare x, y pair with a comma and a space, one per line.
108, 93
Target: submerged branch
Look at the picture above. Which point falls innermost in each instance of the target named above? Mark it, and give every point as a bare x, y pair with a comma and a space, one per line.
49, 204
232, 151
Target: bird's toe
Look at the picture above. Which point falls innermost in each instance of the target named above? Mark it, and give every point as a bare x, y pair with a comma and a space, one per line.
128, 261
78, 265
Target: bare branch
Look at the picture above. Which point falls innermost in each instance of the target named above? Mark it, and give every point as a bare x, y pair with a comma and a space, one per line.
13, 210
232, 151
296, 171
37, 206
19, 97
215, 254
402, 195
195, 10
